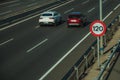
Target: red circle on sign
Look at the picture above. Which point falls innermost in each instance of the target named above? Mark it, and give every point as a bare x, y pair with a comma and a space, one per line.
97, 22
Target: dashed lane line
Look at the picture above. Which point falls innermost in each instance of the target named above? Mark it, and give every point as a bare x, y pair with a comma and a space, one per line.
29, 50
6, 41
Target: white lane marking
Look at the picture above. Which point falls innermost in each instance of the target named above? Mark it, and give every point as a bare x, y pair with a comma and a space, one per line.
108, 15
1, 29
37, 27
61, 59
36, 45
68, 10
104, 1
32, 4
85, 2
5, 12
6, 41
9, 2
68, 53
14, 5
116, 7
111, 12
91, 10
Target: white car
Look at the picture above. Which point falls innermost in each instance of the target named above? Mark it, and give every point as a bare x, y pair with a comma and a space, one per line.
50, 18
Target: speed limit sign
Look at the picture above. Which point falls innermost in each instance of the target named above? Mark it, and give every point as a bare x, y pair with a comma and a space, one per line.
97, 28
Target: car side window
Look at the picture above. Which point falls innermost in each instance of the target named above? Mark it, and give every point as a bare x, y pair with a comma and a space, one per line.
55, 14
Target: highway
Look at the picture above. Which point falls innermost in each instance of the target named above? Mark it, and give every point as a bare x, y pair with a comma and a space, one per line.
13, 7
28, 51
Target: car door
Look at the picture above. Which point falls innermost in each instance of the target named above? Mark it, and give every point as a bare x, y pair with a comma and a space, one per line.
58, 16
55, 17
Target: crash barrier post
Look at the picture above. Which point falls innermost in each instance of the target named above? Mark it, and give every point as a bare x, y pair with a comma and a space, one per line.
108, 64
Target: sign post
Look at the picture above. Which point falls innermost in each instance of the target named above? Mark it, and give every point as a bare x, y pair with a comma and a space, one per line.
101, 38
97, 29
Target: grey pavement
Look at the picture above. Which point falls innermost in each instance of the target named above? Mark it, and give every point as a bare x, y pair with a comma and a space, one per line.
115, 73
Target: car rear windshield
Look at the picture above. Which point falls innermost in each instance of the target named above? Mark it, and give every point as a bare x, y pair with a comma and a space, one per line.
74, 16
47, 14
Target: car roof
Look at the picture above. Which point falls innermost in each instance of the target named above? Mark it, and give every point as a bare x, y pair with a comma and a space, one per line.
52, 12
75, 13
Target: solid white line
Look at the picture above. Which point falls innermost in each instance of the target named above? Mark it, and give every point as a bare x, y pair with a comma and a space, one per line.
32, 17
85, 2
116, 7
6, 41
5, 12
91, 10
61, 59
9, 2
36, 45
111, 12
108, 15
68, 10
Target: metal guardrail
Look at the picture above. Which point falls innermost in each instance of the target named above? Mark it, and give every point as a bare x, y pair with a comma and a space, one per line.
107, 64
79, 68
87, 59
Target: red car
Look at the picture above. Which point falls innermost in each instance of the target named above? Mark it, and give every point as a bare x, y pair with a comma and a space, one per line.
76, 19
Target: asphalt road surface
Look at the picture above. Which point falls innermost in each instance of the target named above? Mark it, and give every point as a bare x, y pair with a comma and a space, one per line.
13, 7
27, 50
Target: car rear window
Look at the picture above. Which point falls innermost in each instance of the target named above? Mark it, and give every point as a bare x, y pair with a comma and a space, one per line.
47, 14
74, 16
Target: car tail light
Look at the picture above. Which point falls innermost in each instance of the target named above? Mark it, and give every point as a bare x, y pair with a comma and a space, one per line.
73, 20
